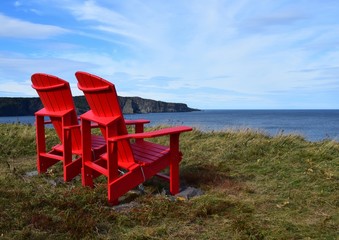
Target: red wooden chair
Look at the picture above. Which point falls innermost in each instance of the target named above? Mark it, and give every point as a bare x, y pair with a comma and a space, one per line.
57, 100
140, 159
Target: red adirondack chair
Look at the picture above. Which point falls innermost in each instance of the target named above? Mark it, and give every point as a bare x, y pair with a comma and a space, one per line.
140, 159
57, 100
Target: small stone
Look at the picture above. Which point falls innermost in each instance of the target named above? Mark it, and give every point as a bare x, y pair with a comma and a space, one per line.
52, 182
55, 182
125, 207
32, 174
164, 192
189, 193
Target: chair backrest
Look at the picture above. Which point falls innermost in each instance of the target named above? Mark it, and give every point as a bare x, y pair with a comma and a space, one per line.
103, 100
56, 96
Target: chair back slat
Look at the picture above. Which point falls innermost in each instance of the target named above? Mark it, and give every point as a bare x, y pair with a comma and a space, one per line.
56, 96
100, 95
103, 100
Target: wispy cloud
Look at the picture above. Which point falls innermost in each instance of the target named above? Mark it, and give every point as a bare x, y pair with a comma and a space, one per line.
16, 28
16, 89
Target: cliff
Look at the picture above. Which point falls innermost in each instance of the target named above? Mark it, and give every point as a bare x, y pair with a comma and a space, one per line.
28, 106
140, 105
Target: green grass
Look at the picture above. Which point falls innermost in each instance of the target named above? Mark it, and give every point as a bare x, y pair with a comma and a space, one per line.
255, 187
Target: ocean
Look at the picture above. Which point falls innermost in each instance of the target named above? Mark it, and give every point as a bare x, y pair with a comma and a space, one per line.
313, 125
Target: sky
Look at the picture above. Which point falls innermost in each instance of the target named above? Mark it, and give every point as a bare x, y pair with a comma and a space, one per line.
215, 54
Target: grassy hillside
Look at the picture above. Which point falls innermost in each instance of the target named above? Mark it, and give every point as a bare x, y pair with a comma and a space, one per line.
255, 187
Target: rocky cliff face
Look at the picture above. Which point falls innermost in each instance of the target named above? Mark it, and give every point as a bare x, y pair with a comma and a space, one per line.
140, 105
28, 106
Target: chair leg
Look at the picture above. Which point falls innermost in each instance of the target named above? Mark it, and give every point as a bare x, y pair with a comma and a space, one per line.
112, 193
174, 177
72, 169
174, 164
112, 200
123, 184
86, 179
43, 163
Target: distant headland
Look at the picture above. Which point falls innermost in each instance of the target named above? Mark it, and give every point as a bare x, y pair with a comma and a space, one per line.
129, 105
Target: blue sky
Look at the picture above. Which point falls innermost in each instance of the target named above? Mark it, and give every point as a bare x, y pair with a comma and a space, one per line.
215, 54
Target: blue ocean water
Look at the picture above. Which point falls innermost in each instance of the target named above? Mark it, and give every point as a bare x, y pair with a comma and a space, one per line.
314, 125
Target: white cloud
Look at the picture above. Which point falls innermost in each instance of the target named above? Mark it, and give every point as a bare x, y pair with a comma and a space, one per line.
16, 28
26, 65
104, 19
14, 88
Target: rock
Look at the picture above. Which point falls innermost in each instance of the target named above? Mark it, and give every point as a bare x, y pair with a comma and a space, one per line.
189, 193
31, 174
55, 182
141, 105
125, 207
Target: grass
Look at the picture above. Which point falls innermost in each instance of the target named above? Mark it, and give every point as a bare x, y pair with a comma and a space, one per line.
255, 187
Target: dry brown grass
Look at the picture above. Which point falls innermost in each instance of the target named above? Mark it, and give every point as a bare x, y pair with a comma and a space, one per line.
255, 187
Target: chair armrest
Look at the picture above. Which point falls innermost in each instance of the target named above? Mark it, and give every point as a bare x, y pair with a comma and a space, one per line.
136, 121
89, 116
157, 133
72, 126
44, 112
45, 122
138, 124
93, 125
